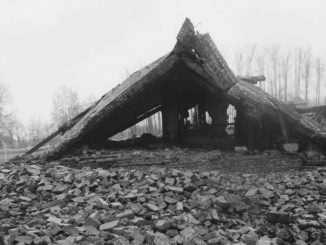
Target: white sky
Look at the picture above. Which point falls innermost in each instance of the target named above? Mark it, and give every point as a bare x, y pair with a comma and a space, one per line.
89, 45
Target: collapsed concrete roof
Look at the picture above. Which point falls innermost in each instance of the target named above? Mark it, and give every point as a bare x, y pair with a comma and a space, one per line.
196, 61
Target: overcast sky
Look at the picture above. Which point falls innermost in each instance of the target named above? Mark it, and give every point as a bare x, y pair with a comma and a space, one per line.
90, 45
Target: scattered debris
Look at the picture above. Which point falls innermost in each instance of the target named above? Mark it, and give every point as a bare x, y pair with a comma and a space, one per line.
53, 204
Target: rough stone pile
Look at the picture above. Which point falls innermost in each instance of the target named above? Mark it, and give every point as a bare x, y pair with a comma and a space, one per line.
53, 204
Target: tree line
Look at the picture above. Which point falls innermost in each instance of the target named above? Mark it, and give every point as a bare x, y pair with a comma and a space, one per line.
290, 75
66, 104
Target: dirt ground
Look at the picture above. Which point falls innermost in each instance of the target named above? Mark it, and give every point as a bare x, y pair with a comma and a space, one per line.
184, 158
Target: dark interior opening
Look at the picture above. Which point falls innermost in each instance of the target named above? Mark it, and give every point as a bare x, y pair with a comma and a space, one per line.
181, 108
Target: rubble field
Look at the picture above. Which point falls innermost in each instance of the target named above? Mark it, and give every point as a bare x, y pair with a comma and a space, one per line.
224, 199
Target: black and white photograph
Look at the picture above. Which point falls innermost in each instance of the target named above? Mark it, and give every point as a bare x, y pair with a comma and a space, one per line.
130, 122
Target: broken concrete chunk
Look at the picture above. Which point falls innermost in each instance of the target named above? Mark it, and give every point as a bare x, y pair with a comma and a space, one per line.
222, 202
175, 188
252, 192
116, 204
179, 206
92, 222
109, 225
161, 239
126, 214
250, 238
241, 149
170, 200
188, 233
291, 147
279, 217
152, 207
169, 181
162, 225
215, 215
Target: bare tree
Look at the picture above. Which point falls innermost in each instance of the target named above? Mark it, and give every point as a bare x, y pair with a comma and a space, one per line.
285, 72
274, 61
89, 101
239, 63
260, 62
319, 68
150, 124
250, 55
5, 114
66, 105
133, 131
20, 134
36, 130
297, 71
9, 128
244, 59
5, 98
306, 71
288, 73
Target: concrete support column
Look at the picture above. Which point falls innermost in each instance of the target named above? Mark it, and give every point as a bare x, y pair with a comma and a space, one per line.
218, 112
170, 118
